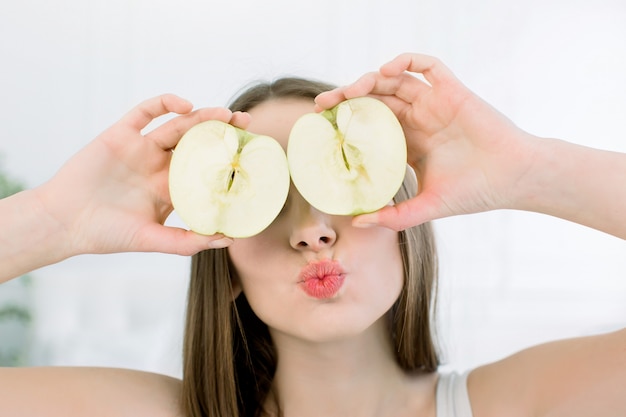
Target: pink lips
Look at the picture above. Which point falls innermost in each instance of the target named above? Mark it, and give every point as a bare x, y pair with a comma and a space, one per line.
322, 279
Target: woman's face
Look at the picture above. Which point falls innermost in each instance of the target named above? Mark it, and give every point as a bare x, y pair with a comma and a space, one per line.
312, 275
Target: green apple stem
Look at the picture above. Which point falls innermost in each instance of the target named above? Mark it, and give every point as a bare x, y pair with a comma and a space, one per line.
331, 116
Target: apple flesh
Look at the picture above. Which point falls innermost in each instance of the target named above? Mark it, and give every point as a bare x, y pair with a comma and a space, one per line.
226, 180
350, 159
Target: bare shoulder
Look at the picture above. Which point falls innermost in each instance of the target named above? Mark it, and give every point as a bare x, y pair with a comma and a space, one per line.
93, 392
575, 377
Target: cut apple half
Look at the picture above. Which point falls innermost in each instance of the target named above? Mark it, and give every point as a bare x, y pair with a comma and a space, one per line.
226, 180
350, 159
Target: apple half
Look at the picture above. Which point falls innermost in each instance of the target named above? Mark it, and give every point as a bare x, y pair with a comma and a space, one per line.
226, 180
350, 159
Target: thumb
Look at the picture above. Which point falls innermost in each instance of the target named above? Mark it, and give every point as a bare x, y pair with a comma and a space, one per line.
413, 212
174, 240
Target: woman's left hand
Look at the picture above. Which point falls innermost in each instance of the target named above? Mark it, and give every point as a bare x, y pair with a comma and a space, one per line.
467, 156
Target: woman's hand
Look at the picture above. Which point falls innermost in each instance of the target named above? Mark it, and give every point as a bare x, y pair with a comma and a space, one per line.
113, 195
467, 156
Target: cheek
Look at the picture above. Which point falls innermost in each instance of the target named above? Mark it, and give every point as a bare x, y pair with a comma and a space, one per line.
379, 258
258, 264
257, 250
260, 276
242, 254
380, 249
248, 252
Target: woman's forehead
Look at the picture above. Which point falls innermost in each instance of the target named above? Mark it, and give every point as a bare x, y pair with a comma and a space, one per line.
276, 117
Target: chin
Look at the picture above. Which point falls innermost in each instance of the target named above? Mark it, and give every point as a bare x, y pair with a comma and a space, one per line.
338, 329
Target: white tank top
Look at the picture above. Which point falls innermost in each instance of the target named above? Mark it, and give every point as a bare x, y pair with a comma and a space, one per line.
452, 397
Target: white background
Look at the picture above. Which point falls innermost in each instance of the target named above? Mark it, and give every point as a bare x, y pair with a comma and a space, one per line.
70, 68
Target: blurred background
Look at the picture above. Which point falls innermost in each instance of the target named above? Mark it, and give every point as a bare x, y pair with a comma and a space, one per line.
71, 68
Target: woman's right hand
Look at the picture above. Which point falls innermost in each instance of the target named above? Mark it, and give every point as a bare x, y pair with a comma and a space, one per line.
112, 196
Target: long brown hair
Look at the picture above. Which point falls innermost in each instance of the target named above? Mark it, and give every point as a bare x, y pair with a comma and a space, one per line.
229, 358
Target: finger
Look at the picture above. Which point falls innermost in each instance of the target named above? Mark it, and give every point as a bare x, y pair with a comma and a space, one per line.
240, 120
403, 86
329, 99
359, 88
173, 240
167, 135
430, 67
144, 113
397, 105
413, 212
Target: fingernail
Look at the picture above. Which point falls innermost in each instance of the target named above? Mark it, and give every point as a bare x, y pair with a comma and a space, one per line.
363, 223
220, 243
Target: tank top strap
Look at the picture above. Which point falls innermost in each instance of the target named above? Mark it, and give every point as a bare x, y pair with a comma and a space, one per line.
452, 397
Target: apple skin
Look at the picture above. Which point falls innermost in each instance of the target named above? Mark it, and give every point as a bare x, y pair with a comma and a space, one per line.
223, 179
350, 159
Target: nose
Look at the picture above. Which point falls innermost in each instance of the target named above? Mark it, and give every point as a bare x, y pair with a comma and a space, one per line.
312, 229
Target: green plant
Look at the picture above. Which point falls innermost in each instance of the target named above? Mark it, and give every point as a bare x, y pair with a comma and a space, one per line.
15, 315
8, 185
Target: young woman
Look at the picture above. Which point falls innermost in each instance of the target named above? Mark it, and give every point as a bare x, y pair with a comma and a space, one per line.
365, 348
257, 343
350, 347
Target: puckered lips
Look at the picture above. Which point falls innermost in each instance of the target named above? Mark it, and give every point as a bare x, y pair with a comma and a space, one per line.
322, 279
